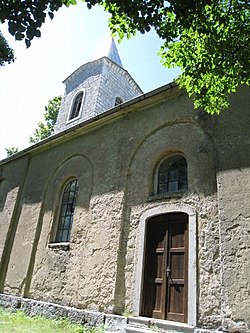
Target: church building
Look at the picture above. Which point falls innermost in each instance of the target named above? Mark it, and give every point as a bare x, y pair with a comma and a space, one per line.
137, 208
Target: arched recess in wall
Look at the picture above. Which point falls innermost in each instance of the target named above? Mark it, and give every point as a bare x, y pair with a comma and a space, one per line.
184, 138
76, 167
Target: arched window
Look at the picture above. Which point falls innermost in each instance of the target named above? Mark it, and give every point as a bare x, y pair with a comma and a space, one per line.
76, 105
118, 101
67, 211
172, 175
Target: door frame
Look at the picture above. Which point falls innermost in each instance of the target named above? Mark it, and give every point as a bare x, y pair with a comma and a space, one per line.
192, 249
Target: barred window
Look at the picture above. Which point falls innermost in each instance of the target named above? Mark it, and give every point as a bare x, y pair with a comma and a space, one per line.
76, 105
172, 175
67, 212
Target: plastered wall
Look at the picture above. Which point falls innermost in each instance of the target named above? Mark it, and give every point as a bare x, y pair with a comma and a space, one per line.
114, 162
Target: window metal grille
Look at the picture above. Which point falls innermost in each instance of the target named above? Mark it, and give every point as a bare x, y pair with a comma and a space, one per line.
76, 105
172, 175
67, 211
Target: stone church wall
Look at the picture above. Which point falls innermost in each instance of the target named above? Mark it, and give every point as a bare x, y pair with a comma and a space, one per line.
114, 161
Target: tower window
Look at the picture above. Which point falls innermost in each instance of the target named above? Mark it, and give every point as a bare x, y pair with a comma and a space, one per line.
172, 175
76, 105
67, 211
118, 101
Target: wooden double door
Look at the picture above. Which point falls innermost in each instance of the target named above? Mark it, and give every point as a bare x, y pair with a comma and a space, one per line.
165, 281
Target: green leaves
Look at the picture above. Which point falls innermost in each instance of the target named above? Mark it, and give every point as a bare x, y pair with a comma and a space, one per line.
12, 28
6, 53
46, 129
213, 53
11, 151
207, 39
69, 2
26, 17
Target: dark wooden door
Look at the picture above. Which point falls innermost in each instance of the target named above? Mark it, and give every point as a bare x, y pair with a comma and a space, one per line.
166, 268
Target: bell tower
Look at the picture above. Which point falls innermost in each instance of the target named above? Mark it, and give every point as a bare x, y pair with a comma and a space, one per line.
94, 88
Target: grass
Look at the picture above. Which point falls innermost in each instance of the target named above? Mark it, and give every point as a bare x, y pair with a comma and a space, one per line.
18, 322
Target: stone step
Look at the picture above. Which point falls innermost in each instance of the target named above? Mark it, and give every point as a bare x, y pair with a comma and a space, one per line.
146, 325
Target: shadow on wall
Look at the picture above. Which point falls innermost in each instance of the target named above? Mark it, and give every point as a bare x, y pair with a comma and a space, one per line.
208, 143
230, 132
133, 145
3, 192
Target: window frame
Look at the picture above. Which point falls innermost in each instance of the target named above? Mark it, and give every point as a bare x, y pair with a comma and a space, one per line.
59, 232
156, 177
118, 101
70, 119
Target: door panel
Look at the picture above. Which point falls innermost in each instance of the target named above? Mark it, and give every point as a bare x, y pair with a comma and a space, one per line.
165, 268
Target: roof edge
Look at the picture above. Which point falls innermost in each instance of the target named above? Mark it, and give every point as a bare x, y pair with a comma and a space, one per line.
101, 116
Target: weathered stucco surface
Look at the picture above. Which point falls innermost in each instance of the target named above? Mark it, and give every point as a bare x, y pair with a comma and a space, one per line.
114, 160
234, 191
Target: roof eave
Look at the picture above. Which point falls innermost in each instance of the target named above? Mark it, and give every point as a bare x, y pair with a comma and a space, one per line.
109, 113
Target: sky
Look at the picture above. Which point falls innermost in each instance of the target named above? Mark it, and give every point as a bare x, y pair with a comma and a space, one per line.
75, 36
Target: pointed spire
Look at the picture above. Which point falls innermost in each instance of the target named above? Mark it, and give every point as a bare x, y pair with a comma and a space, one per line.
113, 53
108, 49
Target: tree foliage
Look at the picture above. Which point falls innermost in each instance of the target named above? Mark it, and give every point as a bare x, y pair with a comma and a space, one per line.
207, 39
6, 53
46, 129
26, 17
213, 53
11, 151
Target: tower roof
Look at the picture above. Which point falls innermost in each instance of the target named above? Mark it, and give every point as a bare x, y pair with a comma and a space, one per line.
108, 49
113, 53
